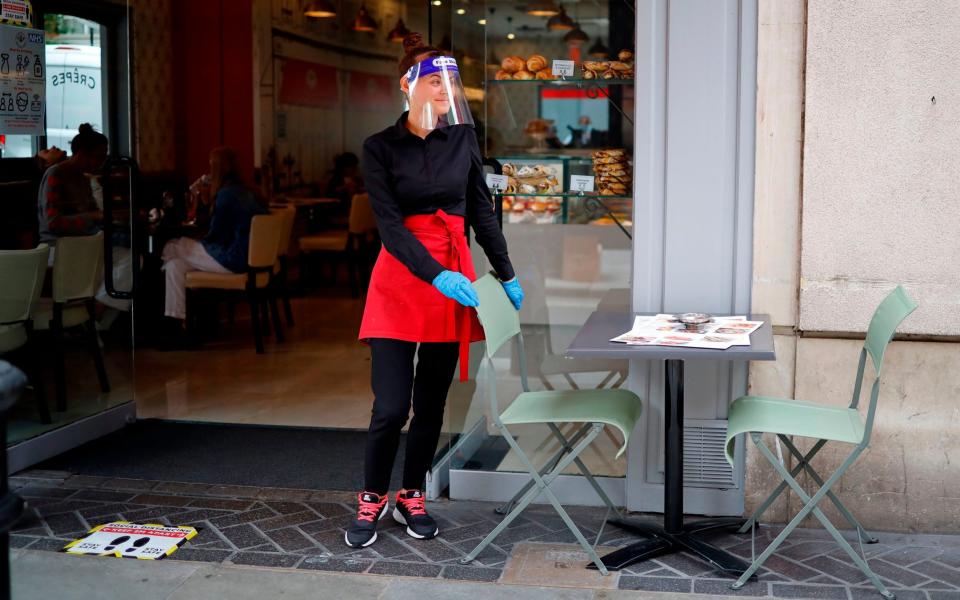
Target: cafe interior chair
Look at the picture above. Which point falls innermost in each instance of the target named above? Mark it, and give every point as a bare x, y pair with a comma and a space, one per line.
22, 273
77, 275
788, 418
265, 239
281, 272
354, 244
591, 409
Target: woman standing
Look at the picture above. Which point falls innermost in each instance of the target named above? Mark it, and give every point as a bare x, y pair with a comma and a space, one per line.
424, 176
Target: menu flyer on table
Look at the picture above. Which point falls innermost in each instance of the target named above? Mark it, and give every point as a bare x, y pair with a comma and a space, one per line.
665, 330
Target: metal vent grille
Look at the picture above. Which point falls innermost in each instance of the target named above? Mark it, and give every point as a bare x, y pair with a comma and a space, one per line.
704, 463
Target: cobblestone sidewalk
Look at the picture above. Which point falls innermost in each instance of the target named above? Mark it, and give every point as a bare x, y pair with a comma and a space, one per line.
303, 529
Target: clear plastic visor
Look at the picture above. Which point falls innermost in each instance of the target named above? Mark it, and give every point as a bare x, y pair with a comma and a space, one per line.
435, 97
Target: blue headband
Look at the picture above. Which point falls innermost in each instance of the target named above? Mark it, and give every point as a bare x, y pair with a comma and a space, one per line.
432, 65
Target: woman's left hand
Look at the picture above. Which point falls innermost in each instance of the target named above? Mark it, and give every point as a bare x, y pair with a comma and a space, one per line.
514, 292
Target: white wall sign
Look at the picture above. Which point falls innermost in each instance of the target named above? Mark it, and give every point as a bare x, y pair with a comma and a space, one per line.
563, 68
128, 540
497, 183
22, 82
581, 183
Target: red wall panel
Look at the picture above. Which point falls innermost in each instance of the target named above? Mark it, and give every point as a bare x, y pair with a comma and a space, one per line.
213, 81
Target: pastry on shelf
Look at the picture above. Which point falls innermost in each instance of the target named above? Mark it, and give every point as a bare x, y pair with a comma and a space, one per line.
545, 75
523, 75
536, 62
625, 56
503, 74
512, 64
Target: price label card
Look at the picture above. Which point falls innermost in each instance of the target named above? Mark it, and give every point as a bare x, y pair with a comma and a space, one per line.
563, 68
497, 183
581, 183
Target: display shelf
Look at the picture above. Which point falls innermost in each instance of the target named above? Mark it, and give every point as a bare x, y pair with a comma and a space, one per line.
562, 82
563, 195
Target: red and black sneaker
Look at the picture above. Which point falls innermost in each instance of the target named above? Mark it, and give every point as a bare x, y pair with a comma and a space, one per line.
410, 511
363, 531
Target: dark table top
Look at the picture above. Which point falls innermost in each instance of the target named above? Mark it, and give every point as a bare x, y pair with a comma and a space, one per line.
593, 341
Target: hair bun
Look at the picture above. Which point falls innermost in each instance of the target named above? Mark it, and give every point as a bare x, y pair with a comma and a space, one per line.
412, 41
85, 128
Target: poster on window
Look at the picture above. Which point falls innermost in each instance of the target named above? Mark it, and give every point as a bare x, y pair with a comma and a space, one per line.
22, 89
16, 12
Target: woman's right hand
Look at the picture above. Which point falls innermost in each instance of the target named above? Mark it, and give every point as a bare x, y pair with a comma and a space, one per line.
457, 287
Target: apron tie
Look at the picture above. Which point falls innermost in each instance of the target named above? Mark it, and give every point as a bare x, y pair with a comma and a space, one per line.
456, 311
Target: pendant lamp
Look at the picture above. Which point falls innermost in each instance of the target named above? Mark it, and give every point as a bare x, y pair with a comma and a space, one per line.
320, 9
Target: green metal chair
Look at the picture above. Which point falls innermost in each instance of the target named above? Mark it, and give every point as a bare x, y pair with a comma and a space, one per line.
594, 408
784, 417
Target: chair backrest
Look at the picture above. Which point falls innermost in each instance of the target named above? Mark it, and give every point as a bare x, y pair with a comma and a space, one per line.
888, 316
500, 320
22, 273
77, 267
361, 214
264, 241
288, 215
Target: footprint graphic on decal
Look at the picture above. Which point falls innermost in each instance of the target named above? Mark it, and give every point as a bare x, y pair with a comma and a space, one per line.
140, 543
116, 542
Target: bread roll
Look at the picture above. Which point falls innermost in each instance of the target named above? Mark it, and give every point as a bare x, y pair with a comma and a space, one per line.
625, 56
611, 74
501, 75
617, 65
523, 75
597, 66
512, 64
545, 74
536, 63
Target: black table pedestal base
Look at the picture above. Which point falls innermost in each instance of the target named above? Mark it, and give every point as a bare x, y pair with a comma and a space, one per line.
661, 542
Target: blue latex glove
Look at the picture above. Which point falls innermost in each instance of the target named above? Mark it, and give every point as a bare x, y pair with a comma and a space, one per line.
455, 286
514, 292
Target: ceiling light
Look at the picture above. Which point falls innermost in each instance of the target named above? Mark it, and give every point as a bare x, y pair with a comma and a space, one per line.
511, 36
542, 8
319, 9
398, 33
461, 11
481, 21
560, 21
437, 2
364, 22
598, 50
577, 37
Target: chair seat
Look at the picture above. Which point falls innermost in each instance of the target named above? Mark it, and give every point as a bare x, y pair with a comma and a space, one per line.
12, 337
792, 417
617, 408
73, 314
333, 241
223, 281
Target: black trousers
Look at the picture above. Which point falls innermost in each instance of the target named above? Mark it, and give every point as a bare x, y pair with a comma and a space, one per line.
394, 384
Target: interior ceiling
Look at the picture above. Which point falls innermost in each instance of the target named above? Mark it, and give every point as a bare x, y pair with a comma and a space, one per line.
591, 14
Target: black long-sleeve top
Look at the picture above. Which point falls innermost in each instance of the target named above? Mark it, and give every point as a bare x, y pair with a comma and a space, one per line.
408, 175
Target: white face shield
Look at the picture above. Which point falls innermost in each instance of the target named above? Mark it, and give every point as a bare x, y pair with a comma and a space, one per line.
436, 97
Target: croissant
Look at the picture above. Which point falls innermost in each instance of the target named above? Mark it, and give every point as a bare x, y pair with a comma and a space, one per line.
545, 74
619, 66
595, 65
611, 74
589, 75
521, 74
501, 75
536, 63
625, 55
512, 64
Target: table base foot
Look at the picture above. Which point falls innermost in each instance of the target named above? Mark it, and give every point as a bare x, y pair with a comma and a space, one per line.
662, 542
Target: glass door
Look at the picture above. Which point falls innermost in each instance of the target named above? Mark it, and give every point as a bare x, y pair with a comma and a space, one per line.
70, 196
571, 246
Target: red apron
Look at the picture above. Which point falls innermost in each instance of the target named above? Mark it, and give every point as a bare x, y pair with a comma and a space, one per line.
401, 306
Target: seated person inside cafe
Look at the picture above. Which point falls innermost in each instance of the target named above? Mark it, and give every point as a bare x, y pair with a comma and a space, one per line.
67, 206
224, 248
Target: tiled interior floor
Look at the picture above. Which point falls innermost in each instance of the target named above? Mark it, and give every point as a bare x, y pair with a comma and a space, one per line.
303, 529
